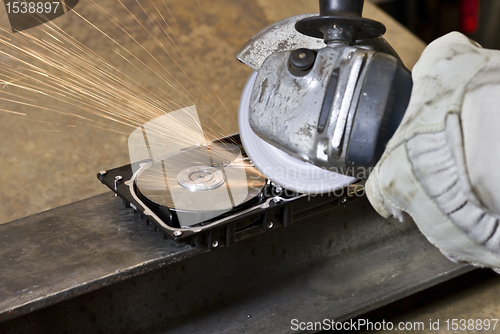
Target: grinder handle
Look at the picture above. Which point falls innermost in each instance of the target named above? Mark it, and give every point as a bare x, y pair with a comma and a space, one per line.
341, 7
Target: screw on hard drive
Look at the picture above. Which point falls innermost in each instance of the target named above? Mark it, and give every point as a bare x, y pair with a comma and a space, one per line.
343, 201
270, 225
118, 179
215, 244
177, 233
102, 173
277, 189
276, 200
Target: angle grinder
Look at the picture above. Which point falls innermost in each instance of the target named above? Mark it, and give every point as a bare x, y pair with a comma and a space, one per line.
326, 95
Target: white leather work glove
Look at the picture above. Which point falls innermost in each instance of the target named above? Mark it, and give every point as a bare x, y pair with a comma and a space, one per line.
441, 166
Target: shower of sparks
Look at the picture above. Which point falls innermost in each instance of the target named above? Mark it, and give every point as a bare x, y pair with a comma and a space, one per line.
45, 130
13, 112
46, 69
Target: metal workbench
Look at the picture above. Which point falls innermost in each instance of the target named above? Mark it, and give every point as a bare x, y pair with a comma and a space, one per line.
94, 266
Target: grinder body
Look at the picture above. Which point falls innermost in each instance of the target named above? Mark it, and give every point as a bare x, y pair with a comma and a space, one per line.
330, 91
339, 113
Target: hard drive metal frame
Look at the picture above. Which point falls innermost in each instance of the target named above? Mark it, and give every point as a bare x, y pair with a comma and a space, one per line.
272, 210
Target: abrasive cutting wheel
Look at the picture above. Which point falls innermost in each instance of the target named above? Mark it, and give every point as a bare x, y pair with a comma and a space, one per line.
280, 167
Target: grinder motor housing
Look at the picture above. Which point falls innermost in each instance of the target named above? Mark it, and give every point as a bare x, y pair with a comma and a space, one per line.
334, 103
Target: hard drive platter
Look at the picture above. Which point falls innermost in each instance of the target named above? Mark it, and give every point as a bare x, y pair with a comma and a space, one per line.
212, 195
200, 183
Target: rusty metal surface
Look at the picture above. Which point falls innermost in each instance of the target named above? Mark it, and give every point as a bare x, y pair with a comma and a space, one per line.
62, 253
102, 270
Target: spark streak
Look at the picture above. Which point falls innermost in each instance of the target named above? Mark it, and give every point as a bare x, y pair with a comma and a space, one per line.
47, 69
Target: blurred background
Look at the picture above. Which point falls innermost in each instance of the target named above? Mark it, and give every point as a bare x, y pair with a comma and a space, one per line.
430, 19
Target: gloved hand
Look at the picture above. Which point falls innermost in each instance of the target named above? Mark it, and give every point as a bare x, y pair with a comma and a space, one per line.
441, 165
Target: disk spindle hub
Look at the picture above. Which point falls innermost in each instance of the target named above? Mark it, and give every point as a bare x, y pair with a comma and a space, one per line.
201, 178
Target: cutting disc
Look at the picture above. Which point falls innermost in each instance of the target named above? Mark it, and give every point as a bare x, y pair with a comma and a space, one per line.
206, 179
280, 167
